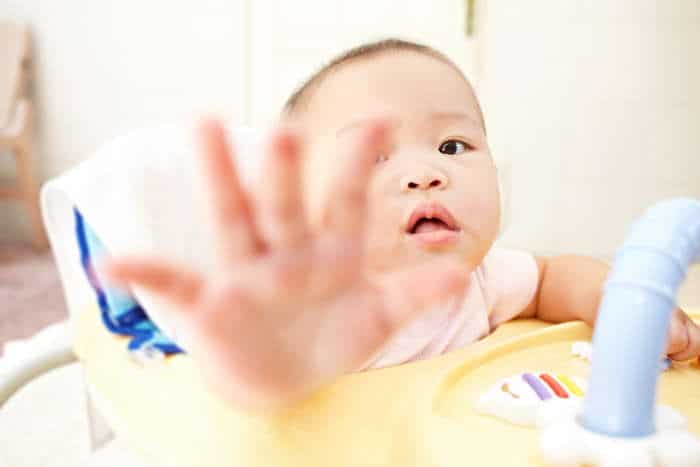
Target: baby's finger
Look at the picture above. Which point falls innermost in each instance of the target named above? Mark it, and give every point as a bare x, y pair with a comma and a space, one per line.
232, 214
171, 282
684, 340
677, 333
346, 211
281, 215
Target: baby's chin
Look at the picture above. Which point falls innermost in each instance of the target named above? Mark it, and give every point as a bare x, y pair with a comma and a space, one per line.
410, 254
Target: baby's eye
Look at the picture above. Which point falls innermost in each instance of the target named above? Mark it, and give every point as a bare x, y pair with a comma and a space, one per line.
454, 146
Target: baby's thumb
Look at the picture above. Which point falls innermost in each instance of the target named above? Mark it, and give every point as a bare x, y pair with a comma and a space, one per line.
177, 285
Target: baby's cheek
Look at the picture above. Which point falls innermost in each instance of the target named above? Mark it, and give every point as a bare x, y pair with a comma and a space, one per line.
483, 209
479, 207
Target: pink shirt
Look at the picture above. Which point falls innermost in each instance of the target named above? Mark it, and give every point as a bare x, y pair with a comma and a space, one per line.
499, 289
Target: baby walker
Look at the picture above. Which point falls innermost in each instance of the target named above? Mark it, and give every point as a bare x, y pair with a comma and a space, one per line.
530, 394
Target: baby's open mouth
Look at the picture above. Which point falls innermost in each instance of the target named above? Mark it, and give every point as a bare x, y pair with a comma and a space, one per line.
429, 225
432, 225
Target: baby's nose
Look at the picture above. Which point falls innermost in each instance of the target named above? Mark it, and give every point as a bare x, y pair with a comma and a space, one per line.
429, 180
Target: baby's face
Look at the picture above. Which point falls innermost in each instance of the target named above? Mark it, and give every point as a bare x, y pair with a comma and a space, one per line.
434, 191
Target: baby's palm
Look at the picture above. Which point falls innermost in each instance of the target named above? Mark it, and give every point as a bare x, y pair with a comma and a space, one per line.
288, 308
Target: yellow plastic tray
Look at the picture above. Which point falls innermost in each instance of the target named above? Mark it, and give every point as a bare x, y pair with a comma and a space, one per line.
417, 414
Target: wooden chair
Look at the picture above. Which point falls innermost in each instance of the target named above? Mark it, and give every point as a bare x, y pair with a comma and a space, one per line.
16, 122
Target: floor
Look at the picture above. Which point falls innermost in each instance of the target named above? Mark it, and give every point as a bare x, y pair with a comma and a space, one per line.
30, 292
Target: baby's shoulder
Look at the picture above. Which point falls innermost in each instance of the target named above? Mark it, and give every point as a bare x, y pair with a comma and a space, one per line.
508, 277
500, 261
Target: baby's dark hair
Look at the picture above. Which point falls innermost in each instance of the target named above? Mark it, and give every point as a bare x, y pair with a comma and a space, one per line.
297, 100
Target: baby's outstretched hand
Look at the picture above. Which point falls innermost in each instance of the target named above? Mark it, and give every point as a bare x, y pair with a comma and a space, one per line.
684, 337
289, 308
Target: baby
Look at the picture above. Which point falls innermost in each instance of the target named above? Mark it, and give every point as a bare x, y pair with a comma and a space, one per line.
367, 241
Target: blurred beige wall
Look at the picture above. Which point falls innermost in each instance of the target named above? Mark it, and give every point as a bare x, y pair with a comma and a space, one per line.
595, 105
103, 67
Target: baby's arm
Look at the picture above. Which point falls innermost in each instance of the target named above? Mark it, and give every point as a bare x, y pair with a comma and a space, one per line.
570, 288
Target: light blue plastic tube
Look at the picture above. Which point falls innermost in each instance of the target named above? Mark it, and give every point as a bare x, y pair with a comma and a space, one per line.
634, 317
